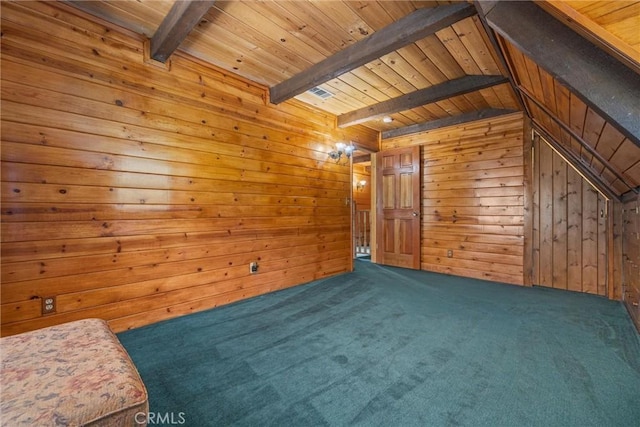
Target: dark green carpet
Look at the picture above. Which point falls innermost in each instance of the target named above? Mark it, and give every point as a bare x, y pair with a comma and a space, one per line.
393, 347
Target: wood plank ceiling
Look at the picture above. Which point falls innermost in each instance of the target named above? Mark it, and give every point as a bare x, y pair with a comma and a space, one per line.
424, 64
272, 41
581, 91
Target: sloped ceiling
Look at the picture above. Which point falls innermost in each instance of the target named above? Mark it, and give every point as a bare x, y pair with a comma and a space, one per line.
580, 85
376, 60
270, 42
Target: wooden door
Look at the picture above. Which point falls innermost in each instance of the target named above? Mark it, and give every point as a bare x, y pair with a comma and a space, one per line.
398, 207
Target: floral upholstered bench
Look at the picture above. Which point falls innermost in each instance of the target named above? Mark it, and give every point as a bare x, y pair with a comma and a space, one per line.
74, 374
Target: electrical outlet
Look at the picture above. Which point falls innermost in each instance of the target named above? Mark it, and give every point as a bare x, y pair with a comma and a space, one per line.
253, 267
48, 305
450, 253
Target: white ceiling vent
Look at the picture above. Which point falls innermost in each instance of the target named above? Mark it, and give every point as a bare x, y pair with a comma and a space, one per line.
321, 93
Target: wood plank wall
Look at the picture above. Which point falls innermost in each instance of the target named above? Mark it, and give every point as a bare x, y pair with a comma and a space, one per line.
595, 143
473, 198
362, 196
135, 193
631, 257
571, 230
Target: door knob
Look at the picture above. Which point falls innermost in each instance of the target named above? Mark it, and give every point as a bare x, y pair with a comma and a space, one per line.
415, 213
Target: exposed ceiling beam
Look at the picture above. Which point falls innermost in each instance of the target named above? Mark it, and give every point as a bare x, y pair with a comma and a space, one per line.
602, 82
448, 121
420, 97
593, 32
415, 26
176, 26
499, 55
592, 151
363, 158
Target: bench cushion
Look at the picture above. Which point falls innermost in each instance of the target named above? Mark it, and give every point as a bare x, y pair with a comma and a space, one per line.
72, 374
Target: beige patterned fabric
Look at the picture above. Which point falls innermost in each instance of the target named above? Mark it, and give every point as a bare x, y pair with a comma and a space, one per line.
73, 374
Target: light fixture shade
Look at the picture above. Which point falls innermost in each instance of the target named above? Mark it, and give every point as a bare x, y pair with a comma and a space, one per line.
340, 150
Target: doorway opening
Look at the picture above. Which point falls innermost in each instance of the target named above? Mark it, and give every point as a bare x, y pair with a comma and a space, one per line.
362, 225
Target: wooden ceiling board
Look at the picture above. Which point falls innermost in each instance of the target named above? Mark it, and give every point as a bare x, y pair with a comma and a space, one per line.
409, 62
447, 107
451, 41
228, 32
610, 141
398, 9
611, 14
623, 158
372, 84
388, 73
403, 70
309, 19
627, 30
269, 42
232, 54
142, 17
633, 173
266, 30
372, 12
326, 105
291, 26
345, 18
473, 37
612, 25
593, 125
435, 52
423, 64
493, 99
602, 147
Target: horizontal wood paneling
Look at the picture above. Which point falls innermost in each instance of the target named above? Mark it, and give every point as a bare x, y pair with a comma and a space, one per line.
136, 193
362, 195
473, 198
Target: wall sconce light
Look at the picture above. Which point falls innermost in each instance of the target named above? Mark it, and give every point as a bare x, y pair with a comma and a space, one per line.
360, 185
342, 149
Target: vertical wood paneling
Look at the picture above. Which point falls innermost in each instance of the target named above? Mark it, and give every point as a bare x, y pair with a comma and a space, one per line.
546, 216
631, 257
472, 198
590, 239
574, 230
573, 233
616, 255
135, 193
528, 203
600, 149
603, 245
560, 217
535, 218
